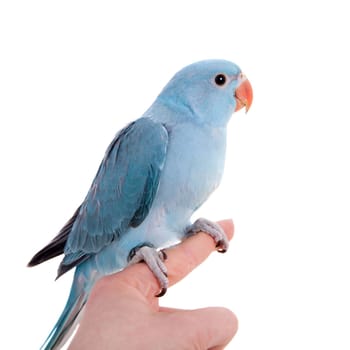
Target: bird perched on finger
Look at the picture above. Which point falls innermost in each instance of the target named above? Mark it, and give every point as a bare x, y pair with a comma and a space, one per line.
155, 174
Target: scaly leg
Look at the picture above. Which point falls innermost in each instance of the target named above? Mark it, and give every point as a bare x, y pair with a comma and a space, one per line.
154, 259
212, 229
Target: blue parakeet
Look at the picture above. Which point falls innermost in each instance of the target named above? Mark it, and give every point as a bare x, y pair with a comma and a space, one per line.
156, 172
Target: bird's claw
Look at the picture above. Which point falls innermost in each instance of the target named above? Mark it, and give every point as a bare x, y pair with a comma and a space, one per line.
221, 247
161, 293
154, 259
212, 229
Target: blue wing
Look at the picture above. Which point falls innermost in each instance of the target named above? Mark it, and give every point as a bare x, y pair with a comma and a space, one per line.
122, 192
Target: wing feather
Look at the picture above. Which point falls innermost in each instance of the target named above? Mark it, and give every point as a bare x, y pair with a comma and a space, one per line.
122, 192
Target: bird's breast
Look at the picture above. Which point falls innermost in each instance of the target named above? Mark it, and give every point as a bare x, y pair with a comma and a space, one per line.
193, 168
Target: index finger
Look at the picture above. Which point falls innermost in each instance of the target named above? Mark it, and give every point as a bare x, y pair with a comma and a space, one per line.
181, 260
185, 257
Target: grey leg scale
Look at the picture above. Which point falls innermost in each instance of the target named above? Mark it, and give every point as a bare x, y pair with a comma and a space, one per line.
212, 229
154, 259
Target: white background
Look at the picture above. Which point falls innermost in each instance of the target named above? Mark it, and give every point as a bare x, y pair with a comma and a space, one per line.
72, 73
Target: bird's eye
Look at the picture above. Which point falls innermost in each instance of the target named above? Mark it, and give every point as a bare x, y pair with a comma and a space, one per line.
220, 79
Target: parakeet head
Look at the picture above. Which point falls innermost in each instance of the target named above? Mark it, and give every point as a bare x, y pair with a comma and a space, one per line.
209, 90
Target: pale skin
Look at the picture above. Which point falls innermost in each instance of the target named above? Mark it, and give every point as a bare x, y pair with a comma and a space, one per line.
123, 312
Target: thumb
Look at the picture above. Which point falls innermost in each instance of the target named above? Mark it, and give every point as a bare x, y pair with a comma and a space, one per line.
208, 328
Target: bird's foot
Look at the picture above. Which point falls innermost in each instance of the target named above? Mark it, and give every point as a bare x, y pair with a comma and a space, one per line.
212, 229
154, 259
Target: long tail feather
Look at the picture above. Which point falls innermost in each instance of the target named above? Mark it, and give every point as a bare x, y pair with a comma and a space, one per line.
70, 316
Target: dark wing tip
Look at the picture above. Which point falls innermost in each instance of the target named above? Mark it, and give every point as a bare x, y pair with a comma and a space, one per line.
56, 246
50, 251
32, 263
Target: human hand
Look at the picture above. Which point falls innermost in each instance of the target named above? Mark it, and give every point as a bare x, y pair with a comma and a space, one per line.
122, 311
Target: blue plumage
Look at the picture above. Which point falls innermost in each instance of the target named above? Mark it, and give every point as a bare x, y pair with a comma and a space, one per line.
122, 191
156, 172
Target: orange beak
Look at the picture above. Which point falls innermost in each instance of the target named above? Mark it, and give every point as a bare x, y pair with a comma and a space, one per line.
243, 94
